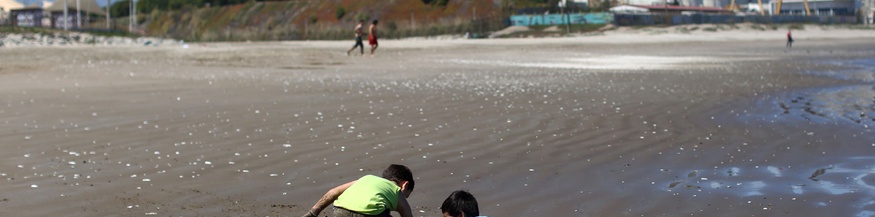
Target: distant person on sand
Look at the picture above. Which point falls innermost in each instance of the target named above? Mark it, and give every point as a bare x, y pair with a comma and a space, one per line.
372, 37
789, 39
358, 38
460, 204
370, 195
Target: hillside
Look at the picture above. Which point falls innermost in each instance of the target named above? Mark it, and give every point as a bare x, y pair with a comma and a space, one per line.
322, 19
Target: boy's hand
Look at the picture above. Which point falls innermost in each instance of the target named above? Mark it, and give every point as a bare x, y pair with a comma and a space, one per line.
309, 214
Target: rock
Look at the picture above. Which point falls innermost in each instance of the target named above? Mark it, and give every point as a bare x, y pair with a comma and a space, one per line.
77, 39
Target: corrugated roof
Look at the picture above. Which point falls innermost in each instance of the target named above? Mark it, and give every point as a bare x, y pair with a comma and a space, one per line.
88, 6
10, 5
679, 8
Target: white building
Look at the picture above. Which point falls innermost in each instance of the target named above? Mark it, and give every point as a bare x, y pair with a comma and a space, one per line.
867, 7
688, 3
5, 7
574, 3
816, 7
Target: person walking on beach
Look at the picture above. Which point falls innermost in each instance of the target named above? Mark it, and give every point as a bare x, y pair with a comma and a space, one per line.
789, 39
370, 196
358, 38
372, 37
460, 204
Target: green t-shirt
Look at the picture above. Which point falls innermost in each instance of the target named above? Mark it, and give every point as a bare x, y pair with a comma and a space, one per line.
370, 195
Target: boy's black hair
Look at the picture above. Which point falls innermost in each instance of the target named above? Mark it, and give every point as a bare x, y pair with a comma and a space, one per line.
398, 173
461, 202
375, 22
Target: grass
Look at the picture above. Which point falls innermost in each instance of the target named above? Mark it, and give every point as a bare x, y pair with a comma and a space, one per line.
758, 27
796, 27
538, 30
19, 30
50, 31
572, 27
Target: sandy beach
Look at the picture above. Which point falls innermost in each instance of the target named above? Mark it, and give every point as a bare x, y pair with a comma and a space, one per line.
626, 123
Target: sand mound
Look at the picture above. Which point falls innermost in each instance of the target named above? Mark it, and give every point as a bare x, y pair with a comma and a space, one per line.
509, 30
553, 29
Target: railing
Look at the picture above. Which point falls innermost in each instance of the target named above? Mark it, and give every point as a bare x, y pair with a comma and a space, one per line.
666, 19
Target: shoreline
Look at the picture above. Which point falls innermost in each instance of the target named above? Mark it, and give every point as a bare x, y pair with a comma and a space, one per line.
622, 35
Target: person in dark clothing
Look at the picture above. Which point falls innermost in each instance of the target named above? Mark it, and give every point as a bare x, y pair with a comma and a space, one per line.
358, 38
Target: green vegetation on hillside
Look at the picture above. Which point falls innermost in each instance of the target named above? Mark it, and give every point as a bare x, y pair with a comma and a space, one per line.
121, 8
320, 19
231, 20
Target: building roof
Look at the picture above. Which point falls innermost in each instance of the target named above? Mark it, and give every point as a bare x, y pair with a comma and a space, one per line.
628, 9
88, 6
8, 5
678, 8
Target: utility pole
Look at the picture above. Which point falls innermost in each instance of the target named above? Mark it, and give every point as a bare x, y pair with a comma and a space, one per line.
130, 15
134, 3
78, 15
474, 17
562, 5
107, 15
66, 16
665, 6
133, 15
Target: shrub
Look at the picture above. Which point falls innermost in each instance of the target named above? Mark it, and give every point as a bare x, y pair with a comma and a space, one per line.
340, 12
392, 26
362, 16
758, 27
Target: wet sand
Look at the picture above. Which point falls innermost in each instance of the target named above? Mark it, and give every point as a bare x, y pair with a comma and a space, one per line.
549, 127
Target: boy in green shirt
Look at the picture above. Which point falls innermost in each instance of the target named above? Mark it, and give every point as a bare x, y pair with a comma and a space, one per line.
370, 195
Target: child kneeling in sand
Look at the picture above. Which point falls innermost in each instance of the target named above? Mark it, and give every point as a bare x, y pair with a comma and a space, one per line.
460, 204
370, 195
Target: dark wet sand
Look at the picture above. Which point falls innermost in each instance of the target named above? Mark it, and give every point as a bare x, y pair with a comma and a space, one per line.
264, 129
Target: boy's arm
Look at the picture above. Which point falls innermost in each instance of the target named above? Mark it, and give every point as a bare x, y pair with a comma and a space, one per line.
403, 207
327, 199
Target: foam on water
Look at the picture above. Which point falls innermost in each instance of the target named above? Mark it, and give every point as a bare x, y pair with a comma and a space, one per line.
614, 62
853, 104
847, 175
852, 178
857, 70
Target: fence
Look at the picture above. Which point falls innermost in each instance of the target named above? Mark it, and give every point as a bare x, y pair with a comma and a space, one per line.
4, 18
665, 19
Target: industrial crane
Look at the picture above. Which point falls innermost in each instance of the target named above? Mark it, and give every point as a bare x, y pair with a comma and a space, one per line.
778, 7
732, 7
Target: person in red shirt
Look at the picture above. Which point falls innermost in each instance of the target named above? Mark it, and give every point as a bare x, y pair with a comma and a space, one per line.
372, 37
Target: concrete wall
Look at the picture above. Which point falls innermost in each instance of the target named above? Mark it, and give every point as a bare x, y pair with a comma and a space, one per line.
817, 8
